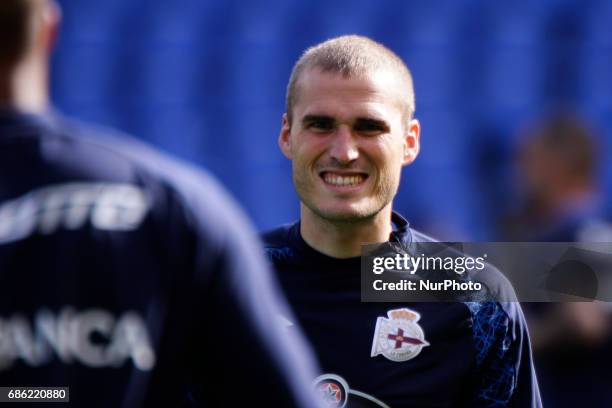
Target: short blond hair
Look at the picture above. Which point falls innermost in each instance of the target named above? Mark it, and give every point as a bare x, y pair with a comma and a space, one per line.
350, 55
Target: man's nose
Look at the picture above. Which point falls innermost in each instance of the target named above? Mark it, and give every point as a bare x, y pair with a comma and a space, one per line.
344, 147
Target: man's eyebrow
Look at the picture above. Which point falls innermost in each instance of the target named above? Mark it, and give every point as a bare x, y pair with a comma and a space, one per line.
317, 118
362, 122
371, 122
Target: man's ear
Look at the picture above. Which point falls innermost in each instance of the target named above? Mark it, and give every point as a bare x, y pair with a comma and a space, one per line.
412, 143
51, 20
284, 139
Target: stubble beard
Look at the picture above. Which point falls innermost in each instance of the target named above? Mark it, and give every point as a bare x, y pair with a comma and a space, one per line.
385, 194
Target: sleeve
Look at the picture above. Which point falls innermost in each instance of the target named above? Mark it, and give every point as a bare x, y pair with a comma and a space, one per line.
246, 356
505, 375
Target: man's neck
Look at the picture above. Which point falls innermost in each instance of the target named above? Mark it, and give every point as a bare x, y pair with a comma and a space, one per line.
344, 239
24, 88
573, 198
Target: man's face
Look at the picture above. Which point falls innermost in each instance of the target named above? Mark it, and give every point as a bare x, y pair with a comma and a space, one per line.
348, 141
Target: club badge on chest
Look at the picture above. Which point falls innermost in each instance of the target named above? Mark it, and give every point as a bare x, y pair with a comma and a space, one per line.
398, 337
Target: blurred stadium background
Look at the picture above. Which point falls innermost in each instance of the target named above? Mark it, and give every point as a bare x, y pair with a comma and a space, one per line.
206, 80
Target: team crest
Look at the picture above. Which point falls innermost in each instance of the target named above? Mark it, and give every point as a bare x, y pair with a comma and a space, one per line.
399, 337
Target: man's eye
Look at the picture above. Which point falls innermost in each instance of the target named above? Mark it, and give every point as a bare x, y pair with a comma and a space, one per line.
321, 126
370, 128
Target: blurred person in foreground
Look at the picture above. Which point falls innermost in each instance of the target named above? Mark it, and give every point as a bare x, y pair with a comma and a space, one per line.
125, 275
557, 169
349, 130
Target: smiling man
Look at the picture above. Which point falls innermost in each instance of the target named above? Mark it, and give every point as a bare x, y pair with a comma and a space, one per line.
349, 130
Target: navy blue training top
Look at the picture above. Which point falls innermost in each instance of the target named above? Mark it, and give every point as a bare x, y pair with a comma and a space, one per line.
400, 355
133, 279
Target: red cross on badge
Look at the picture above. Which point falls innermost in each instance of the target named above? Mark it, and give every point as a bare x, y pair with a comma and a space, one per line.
400, 338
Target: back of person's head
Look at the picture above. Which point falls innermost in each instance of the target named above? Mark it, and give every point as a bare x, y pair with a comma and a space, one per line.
28, 29
15, 32
21, 24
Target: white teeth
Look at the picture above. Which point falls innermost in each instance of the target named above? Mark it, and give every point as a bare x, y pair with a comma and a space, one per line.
343, 180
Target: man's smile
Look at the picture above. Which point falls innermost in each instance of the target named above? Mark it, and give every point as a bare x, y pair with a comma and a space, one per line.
343, 179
